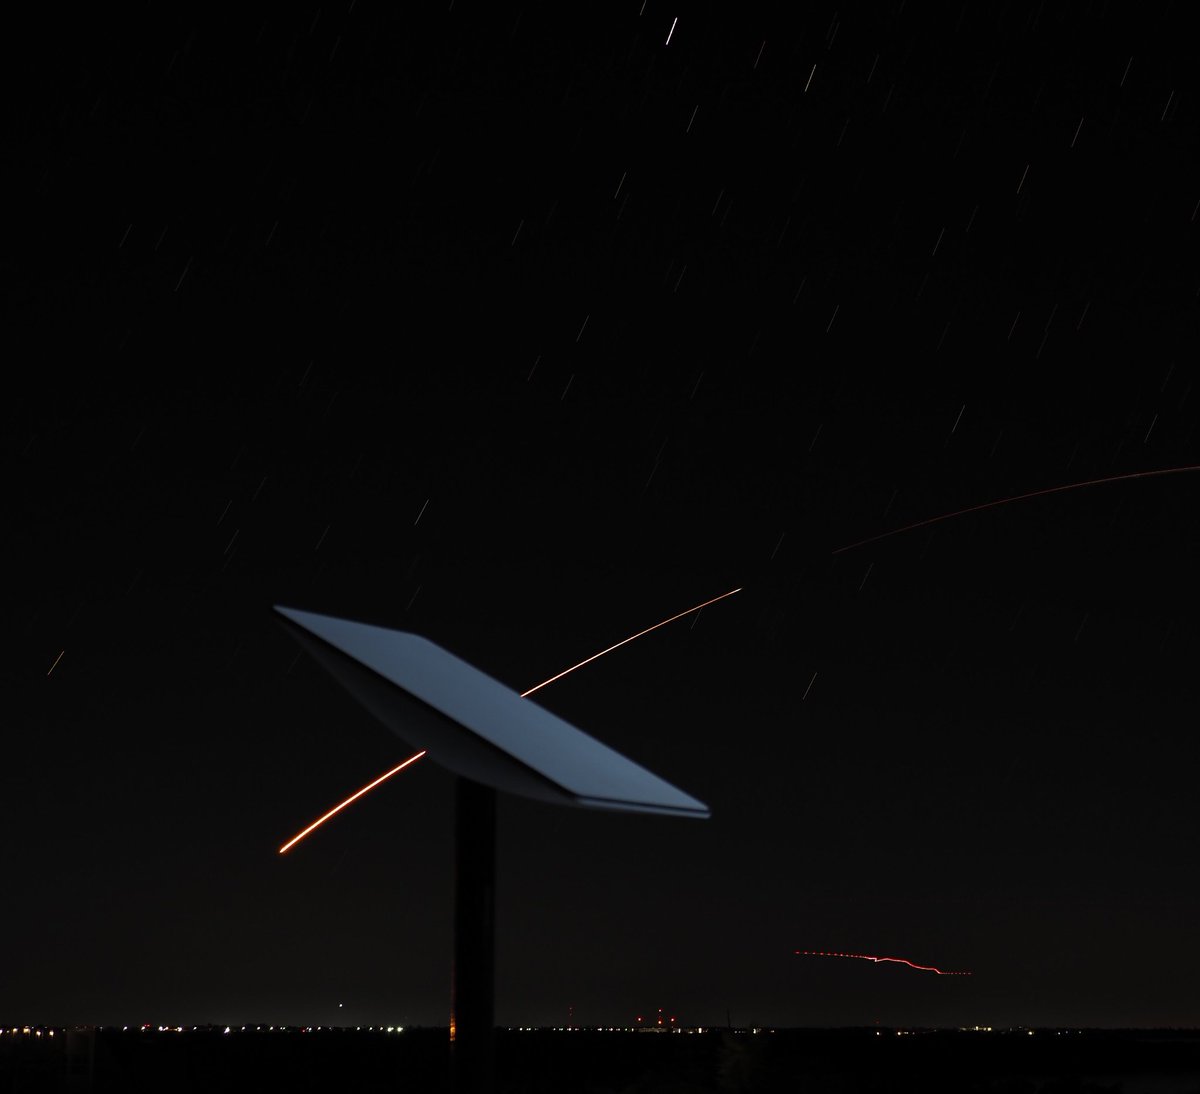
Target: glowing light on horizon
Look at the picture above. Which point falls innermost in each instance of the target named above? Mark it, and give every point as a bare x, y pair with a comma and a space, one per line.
537, 687
353, 797
879, 960
1016, 497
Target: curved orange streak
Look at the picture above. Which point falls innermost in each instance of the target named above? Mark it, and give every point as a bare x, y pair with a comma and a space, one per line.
412, 759
588, 660
353, 797
1018, 497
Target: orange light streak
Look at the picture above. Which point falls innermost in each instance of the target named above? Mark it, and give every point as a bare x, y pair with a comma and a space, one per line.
625, 641
412, 759
353, 797
56, 661
1018, 497
878, 960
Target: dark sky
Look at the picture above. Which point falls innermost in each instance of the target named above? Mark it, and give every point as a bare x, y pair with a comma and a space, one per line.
523, 332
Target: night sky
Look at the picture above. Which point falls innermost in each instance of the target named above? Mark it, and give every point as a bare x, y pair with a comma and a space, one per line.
524, 332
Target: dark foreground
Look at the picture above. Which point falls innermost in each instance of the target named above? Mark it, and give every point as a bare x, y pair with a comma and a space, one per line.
843, 1061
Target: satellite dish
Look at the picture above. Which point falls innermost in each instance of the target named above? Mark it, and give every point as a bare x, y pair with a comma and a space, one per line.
475, 726
492, 739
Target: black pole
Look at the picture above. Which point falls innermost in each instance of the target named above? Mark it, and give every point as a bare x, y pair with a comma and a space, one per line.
472, 1024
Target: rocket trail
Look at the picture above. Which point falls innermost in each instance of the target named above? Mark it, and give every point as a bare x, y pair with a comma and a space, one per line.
353, 797
837, 551
537, 687
626, 641
1018, 497
878, 960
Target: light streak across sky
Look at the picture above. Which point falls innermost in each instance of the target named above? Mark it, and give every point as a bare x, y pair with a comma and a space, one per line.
1017, 497
879, 960
353, 797
558, 676
837, 551
625, 641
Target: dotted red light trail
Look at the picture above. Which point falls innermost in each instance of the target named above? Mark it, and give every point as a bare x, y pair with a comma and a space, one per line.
879, 960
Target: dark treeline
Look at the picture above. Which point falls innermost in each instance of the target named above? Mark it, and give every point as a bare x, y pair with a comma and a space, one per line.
842, 1061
